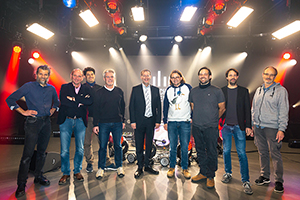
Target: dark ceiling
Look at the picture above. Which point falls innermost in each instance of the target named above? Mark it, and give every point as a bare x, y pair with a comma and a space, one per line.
162, 20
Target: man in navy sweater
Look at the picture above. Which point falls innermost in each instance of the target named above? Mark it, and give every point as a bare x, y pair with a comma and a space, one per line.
109, 110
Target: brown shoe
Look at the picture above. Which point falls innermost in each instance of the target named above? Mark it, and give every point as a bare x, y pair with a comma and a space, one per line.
170, 173
210, 183
63, 180
198, 178
79, 177
186, 173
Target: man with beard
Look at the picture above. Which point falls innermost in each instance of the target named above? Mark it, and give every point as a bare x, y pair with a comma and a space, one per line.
270, 109
236, 120
39, 97
208, 105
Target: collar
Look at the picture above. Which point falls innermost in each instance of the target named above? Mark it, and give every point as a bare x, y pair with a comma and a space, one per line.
204, 86
91, 84
109, 89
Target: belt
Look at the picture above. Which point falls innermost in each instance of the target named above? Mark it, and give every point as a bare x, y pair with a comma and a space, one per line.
40, 117
72, 117
230, 124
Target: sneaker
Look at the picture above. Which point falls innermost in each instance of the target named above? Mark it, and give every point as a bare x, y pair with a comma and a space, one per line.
100, 173
112, 166
262, 180
186, 173
210, 183
20, 190
198, 178
89, 168
278, 187
247, 188
171, 172
121, 172
226, 178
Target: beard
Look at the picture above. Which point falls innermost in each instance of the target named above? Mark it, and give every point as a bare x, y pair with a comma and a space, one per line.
43, 82
232, 83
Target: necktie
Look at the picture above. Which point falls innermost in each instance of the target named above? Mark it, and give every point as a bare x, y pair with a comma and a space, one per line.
148, 103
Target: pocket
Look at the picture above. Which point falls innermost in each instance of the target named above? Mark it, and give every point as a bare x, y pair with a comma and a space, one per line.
31, 120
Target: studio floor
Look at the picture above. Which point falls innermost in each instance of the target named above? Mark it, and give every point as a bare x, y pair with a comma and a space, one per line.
152, 187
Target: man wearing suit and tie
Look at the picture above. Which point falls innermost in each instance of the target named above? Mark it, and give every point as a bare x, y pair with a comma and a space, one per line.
145, 115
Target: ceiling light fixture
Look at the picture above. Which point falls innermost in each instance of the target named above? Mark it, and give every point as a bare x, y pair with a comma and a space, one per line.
143, 38
188, 13
89, 18
178, 38
219, 8
138, 13
40, 31
287, 30
240, 16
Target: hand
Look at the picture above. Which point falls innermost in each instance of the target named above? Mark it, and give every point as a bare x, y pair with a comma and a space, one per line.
280, 136
31, 113
133, 125
52, 110
71, 98
166, 127
157, 125
96, 130
123, 126
249, 132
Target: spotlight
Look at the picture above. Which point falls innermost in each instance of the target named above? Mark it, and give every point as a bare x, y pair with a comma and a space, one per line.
287, 30
138, 13
121, 30
89, 18
143, 38
111, 6
178, 38
208, 22
188, 13
240, 16
286, 55
17, 49
31, 61
40, 31
118, 20
36, 55
70, 3
219, 8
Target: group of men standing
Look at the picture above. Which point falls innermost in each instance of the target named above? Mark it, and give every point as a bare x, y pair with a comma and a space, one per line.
87, 108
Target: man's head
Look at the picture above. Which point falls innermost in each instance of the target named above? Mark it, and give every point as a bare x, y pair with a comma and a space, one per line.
232, 75
269, 75
109, 76
89, 74
146, 76
176, 78
42, 74
204, 75
76, 77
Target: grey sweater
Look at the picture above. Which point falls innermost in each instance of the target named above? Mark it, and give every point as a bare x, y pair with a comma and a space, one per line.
270, 109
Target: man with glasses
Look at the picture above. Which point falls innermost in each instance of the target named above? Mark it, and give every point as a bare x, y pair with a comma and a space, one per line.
237, 121
109, 110
39, 97
177, 120
270, 108
145, 115
208, 105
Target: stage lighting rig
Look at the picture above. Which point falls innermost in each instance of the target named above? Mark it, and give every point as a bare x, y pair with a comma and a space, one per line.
111, 6
219, 7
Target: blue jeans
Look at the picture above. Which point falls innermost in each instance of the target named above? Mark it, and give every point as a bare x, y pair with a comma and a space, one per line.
183, 130
77, 126
37, 132
104, 132
240, 143
206, 141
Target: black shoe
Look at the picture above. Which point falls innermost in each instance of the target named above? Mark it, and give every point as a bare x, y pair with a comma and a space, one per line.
138, 173
42, 180
151, 170
20, 190
278, 187
262, 180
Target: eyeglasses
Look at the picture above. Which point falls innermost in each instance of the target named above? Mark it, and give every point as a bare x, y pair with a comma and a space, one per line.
177, 77
272, 75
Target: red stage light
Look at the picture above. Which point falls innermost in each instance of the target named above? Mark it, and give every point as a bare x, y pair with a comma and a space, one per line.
36, 55
286, 55
121, 31
17, 49
219, 6
112, 5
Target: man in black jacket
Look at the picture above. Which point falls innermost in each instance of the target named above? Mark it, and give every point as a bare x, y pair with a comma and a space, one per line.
236, 120
72, 117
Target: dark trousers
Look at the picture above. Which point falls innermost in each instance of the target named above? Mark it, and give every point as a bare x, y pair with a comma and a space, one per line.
145, 129
37, 132
206, 141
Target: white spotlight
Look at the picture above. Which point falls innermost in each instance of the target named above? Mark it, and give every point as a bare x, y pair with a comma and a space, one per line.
138, 13
178, 38
293, 62
31, 61
240, 16
188, 13
143, 38
89, 18
40, 31
287, 30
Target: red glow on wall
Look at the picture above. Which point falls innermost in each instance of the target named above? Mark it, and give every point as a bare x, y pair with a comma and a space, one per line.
9, 85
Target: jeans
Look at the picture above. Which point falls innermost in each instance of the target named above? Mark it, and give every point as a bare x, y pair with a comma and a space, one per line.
206, 141
37, 132
66, 129
265, 140
240, 143
183, 130
104, 131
